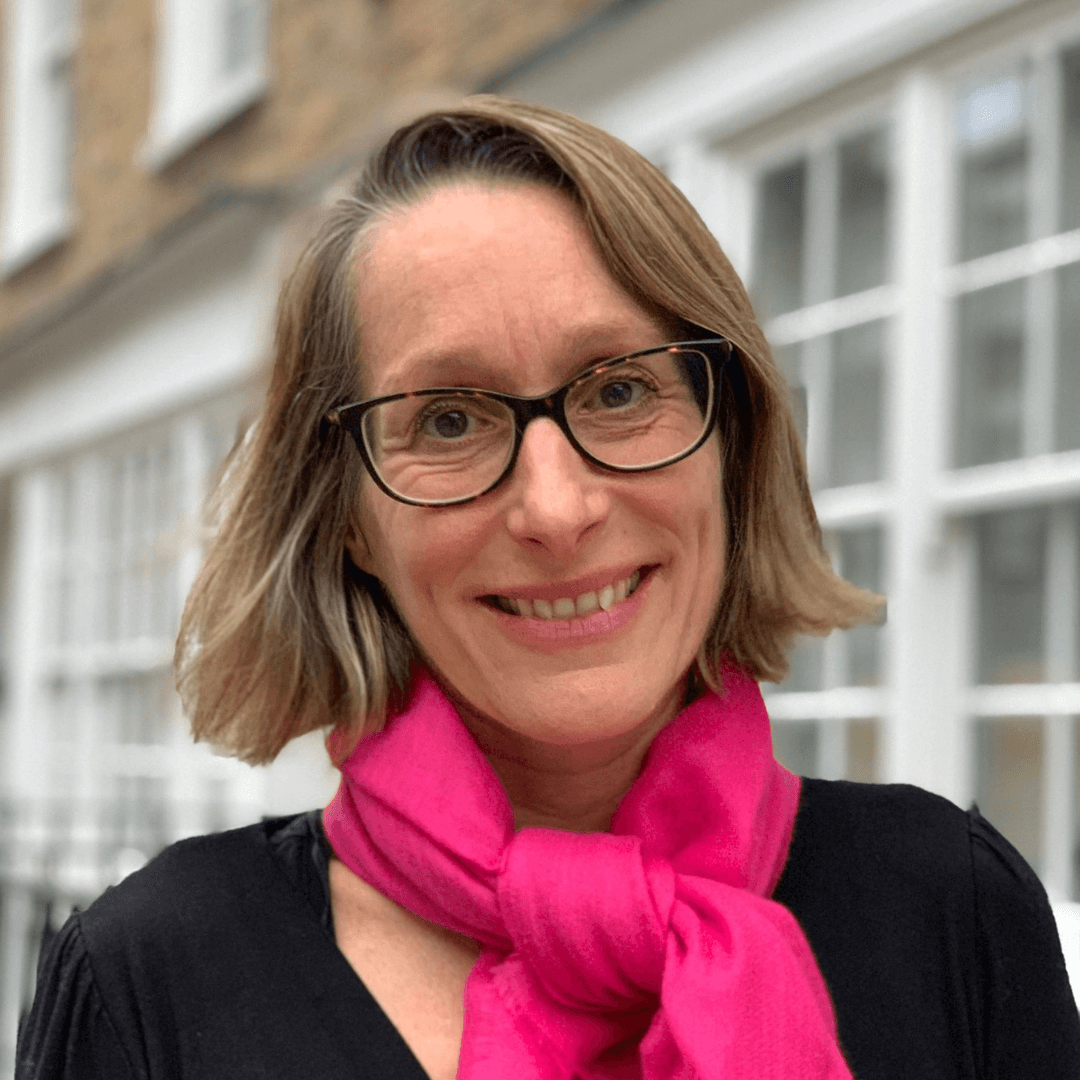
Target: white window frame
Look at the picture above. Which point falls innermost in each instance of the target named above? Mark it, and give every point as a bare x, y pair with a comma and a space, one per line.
38, 209
715, 176
194, 93
93, 754
931, 702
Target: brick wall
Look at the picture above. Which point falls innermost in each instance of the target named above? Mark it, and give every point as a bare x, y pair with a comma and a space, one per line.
339, 69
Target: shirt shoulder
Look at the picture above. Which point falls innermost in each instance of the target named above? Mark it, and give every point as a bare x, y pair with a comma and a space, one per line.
1033, 1028
215, 960
69, 1033
897, 851
176, 886
125, 978
934, 936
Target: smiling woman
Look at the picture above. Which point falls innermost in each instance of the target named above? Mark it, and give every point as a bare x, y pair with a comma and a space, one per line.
523, 523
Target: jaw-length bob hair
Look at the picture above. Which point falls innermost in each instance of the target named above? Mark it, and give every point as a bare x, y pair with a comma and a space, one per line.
282, 634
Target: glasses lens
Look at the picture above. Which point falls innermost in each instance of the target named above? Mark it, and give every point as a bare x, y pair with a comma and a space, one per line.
440, 447
644, 410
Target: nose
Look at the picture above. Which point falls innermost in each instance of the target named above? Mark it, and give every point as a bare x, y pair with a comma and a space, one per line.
557, 499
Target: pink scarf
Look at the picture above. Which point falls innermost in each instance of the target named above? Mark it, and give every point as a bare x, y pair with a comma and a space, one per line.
648, 952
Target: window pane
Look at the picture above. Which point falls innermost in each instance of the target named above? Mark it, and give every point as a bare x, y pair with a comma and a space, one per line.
856, 443
1012, 596
862, 751
241, 24
64, 528
993, 167
1008, 781
135, 707
806, 665
795, 744
860, 563
830, 749
990, 384
789, 361
141, 539
863, 213
780, 224
137, 816
1068, 368
1070, 150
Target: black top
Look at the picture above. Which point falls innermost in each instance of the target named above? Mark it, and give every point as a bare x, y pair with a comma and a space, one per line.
218, 958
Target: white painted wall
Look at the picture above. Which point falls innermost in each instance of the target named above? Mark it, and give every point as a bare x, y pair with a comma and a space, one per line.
193, 324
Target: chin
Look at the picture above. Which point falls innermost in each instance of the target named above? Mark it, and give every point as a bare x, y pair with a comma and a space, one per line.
570, 711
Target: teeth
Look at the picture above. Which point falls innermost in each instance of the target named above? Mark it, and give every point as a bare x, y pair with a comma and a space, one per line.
542, 609
566, 607
586, 604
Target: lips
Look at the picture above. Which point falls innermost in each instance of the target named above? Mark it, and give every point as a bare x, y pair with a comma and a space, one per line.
584, 603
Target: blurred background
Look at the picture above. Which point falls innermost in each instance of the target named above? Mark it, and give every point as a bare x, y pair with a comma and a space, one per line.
899, 185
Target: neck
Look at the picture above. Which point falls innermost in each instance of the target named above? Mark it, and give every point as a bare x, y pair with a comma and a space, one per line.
577, 787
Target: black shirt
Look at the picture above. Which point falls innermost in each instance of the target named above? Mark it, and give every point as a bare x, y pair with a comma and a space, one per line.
218, 959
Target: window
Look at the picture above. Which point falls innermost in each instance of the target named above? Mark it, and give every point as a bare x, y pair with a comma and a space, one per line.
821, 275
118, 542
38, 126
1014, 288
1016, 279
941, 383
821, 265
211, 65
825, 721
1025, 733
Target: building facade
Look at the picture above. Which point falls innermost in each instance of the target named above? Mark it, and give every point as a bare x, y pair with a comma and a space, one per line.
159, 162
898, 184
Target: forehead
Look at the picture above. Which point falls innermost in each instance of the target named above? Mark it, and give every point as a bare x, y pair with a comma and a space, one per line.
500, 286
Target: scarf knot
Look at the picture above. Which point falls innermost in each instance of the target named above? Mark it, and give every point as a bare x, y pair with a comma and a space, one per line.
588, 916
650, 952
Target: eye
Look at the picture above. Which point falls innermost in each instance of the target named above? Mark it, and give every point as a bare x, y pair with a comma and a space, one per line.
620, 394
457, 419
447, 424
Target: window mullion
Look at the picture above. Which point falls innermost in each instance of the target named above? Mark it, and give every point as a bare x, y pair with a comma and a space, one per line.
1040, 348
923, 741
1059, 746
87, 719
832, 757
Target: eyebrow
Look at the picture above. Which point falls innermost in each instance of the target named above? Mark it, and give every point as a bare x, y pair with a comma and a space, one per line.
454, 367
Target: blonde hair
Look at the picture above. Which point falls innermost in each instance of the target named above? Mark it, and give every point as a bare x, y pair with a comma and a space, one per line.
282, 634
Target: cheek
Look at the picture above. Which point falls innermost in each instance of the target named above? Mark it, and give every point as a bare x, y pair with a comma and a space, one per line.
414, 551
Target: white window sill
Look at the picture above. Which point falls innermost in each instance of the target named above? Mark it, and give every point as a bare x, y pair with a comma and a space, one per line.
20, 244
172, 132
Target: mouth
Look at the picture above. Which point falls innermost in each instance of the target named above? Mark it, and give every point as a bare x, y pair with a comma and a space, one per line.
570, 607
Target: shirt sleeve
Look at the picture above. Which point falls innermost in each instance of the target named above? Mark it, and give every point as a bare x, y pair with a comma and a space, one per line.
1032, 1030
68, 1034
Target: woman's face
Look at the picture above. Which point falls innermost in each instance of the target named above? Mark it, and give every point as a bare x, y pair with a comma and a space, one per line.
501, 288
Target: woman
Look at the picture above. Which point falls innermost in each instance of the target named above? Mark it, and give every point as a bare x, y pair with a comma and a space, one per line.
524, 521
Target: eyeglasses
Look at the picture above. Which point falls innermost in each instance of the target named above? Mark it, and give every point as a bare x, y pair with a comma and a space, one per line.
449, 445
